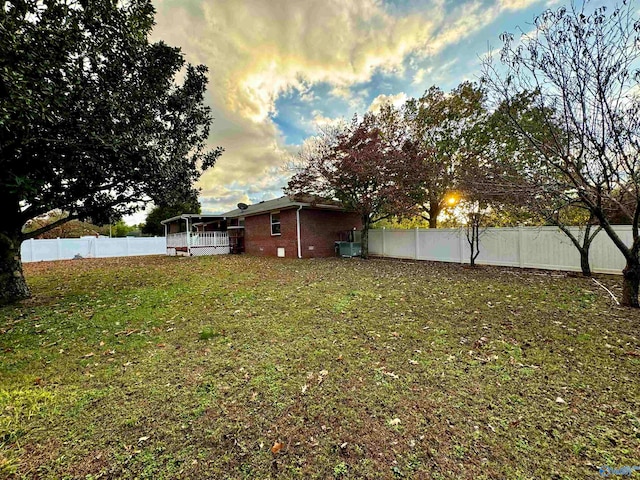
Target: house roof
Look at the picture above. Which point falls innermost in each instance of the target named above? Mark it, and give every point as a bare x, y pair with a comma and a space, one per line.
282, 203
194, 216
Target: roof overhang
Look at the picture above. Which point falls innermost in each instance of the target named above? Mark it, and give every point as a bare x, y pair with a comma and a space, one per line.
288, 206
199, 216
282, 203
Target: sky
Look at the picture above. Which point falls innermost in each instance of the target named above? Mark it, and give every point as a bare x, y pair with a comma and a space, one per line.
278, 69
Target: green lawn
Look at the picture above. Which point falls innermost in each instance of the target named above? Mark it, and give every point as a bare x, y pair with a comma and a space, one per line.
156, 367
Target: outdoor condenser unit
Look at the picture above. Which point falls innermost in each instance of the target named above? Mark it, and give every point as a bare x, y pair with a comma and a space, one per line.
348, 249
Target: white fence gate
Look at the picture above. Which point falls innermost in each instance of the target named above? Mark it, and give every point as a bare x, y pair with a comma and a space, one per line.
524, 247
90, 247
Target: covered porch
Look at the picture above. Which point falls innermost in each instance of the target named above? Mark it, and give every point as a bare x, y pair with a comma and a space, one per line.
195, 234
198, 243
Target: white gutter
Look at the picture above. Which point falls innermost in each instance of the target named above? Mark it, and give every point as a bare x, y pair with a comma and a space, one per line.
298, 231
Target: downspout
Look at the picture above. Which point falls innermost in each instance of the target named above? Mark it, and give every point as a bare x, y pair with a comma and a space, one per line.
298, 231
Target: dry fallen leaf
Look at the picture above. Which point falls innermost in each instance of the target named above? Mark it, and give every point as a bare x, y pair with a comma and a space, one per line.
560, 400
277, 447
142, 439
394, 421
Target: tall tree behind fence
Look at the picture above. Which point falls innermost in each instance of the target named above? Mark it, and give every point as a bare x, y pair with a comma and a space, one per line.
524, 247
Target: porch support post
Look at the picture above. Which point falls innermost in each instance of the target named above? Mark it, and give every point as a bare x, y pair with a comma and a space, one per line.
166, 240
188, 237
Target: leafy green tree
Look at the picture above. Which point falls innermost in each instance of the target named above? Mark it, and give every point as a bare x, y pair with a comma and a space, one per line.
92, 121
514, 177
366, 166
403, 223
121, 229
152, 225
438, 125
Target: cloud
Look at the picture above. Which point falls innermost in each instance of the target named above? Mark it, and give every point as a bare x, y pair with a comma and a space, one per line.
418, 77
320, 121
520, 4
257, 51
396, 100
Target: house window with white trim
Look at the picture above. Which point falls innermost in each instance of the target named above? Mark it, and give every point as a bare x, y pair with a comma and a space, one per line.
275, 223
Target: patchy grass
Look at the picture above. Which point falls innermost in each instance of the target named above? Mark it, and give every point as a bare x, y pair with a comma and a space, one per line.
203, 367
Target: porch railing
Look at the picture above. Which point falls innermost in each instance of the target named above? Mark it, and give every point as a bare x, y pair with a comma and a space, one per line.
200, 239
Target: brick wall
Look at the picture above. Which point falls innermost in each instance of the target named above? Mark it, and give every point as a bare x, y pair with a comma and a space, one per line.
258, 238
320, 229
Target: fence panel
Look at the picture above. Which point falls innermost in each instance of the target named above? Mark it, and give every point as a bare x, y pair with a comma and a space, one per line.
549, 248
498, 246
87, 247
529, 247
605, 256
439, 244
375, 242
398, 244
42, 250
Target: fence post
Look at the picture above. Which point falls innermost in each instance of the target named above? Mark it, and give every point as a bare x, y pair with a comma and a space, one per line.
520, 245
461, 244
31, 249
127, 244
415, 239
383, 229
58, 249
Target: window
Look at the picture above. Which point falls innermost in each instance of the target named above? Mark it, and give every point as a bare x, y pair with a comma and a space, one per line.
275, 223
236, 223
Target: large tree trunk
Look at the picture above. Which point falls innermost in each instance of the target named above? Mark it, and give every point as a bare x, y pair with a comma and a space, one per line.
584, 262
583, 248
364, 240
13, 286
631, 275
434, 211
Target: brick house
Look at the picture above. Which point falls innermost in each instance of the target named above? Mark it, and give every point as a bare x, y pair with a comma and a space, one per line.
289, 226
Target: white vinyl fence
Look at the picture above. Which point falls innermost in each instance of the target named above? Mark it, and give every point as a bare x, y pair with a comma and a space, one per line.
90, 247
524, 247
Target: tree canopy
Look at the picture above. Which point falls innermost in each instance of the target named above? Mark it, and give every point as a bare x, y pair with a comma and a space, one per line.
92, 120
367, 165
152, 225
580, 69
440, 126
